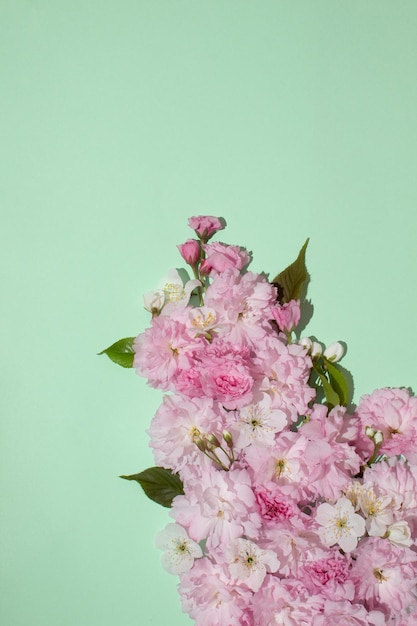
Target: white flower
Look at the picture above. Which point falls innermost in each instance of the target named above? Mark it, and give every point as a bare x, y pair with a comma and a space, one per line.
180, 550
399, 534
334, 352
177, 294
249, 564
316, 350
306, 343
259, 422
154, 300
340, 524
201, 320
378, 515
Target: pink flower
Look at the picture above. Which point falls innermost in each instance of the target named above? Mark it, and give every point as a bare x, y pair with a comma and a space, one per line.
286, 372
162, 350
398, 480
329, 576
221, 257
287, 315
211, 597
231, 384
190, 251
285, 603
284, 465
175, 427
273, 505
206, 225
385, 575
220, 508
343, 613
394, 412
243, 303
258, 423
332, 461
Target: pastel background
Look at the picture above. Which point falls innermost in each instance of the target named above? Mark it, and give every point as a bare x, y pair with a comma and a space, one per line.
119, 119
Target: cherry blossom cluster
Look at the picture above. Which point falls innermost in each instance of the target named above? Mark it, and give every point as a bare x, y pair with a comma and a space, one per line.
294, 512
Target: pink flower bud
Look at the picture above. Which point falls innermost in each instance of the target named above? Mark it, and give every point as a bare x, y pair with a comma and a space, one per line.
287, 315
190, 251
206, 225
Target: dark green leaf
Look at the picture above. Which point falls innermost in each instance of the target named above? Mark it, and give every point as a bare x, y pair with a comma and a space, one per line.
330, 394
293, 277
159, 484
338, 382
121, 352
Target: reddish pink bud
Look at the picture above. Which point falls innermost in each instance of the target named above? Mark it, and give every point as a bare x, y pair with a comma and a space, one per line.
190, 251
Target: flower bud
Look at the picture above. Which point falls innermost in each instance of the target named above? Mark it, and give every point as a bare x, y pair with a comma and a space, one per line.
378, 437
334, 352
213, 441
287, 315
228, 438
370, 432
316, 350
190, 251
306, 343
399, 534
200, 443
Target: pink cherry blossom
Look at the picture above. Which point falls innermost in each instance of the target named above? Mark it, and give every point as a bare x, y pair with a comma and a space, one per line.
243, 303
385, 575
211, 597
329, 576
206, 225
220, 508
176, 426
221, 257
164, 349
394, 413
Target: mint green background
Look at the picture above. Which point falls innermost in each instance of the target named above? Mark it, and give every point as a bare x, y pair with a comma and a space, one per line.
119, 119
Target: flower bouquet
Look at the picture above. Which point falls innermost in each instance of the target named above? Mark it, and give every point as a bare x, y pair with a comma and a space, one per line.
290, 506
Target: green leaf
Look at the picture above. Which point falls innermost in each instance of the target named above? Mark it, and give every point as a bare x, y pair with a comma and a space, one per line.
159, 484
293, 277
121, 352
338, 382
330, 394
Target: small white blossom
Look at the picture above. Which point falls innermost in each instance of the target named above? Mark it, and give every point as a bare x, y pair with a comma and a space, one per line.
370, 432
334, 352
176, 291
306, 343
378, 437
201, 320
259, 422
179, 550
249, 564
376, 510
399, 534
154, 300
316, 349
340, 524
